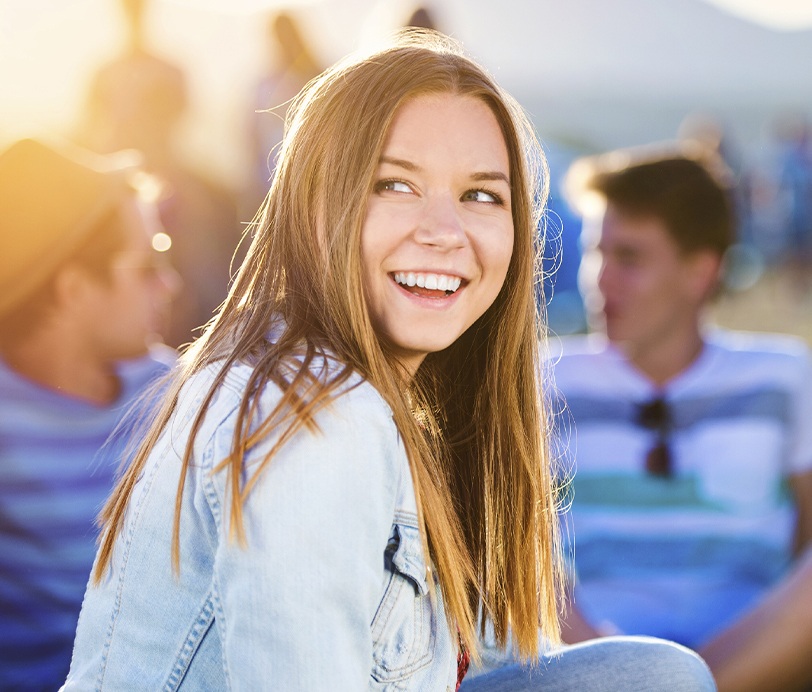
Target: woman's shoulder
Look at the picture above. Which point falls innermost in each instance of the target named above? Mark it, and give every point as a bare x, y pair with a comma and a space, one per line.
354, 399
350, 437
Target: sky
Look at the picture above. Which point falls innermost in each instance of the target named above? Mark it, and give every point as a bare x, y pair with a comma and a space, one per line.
778, 14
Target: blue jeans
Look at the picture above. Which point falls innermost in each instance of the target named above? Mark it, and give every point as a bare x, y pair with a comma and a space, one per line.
616, 664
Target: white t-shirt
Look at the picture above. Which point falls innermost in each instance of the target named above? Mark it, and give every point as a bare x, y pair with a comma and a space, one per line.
680, 557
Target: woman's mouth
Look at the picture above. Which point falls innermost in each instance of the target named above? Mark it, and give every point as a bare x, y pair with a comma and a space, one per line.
427, 284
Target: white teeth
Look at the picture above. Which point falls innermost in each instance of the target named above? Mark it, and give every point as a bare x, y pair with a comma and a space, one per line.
433, 282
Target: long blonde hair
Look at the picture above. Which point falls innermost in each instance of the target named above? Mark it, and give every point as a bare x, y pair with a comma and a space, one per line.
478, 446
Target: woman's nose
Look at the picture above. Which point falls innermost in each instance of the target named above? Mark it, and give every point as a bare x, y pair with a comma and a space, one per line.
441, 224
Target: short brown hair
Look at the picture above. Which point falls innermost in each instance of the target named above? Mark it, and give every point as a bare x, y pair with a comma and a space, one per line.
685, 189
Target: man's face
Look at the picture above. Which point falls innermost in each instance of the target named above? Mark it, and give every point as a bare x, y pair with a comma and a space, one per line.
639, 284
132, 306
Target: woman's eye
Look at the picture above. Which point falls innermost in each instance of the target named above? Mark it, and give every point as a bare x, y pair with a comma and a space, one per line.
392, 186
482, 196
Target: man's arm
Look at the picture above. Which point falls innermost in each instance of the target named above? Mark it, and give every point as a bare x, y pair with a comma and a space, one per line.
801, 484
768, 650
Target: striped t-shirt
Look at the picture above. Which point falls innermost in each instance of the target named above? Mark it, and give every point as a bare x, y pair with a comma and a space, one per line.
55, 473
682, 555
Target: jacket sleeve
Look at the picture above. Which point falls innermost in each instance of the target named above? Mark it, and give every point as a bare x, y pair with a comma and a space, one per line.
296, 604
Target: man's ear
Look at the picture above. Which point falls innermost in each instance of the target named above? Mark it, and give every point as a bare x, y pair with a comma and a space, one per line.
71, 286
704, 270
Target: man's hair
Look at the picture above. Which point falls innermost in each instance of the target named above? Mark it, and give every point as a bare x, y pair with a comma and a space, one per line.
685, 191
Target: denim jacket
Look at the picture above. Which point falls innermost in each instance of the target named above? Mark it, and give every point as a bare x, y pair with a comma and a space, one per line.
330, 592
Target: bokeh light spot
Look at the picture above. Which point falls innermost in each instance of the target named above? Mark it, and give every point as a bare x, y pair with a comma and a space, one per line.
161, 242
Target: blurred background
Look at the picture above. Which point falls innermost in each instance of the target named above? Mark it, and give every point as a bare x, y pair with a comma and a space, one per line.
182, 80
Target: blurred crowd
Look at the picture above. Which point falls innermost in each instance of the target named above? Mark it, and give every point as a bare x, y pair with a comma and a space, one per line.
140, 99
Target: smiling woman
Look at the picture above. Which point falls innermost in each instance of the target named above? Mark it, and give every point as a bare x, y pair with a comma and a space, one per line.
356, 470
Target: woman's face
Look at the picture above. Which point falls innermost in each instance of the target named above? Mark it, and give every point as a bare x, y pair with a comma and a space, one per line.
438, 236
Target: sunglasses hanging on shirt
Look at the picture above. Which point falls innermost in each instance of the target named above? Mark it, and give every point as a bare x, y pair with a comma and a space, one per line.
655, 415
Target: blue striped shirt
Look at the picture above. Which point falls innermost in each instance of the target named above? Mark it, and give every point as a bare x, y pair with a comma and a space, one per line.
681, 557
55, 474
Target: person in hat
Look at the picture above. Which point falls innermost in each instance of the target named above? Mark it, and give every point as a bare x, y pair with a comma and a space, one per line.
83, 299
692, 444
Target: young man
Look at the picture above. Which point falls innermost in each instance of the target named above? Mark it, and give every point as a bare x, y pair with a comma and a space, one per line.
83, 298
692, 446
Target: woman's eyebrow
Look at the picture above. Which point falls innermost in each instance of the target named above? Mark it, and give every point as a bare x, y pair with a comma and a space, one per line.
402, 163
482, 176
491, 175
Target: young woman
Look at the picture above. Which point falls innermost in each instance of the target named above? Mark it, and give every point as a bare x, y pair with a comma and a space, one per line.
349, 475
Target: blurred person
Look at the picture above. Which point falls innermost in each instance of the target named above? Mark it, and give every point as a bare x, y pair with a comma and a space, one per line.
292, 63
692, 489
421, 17
562, 250
781, 200
744, 260
386, 307
82, 300
385, 18
137, 100
707, 131
795, 201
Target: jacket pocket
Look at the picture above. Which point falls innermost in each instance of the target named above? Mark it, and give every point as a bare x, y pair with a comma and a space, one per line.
404, 628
